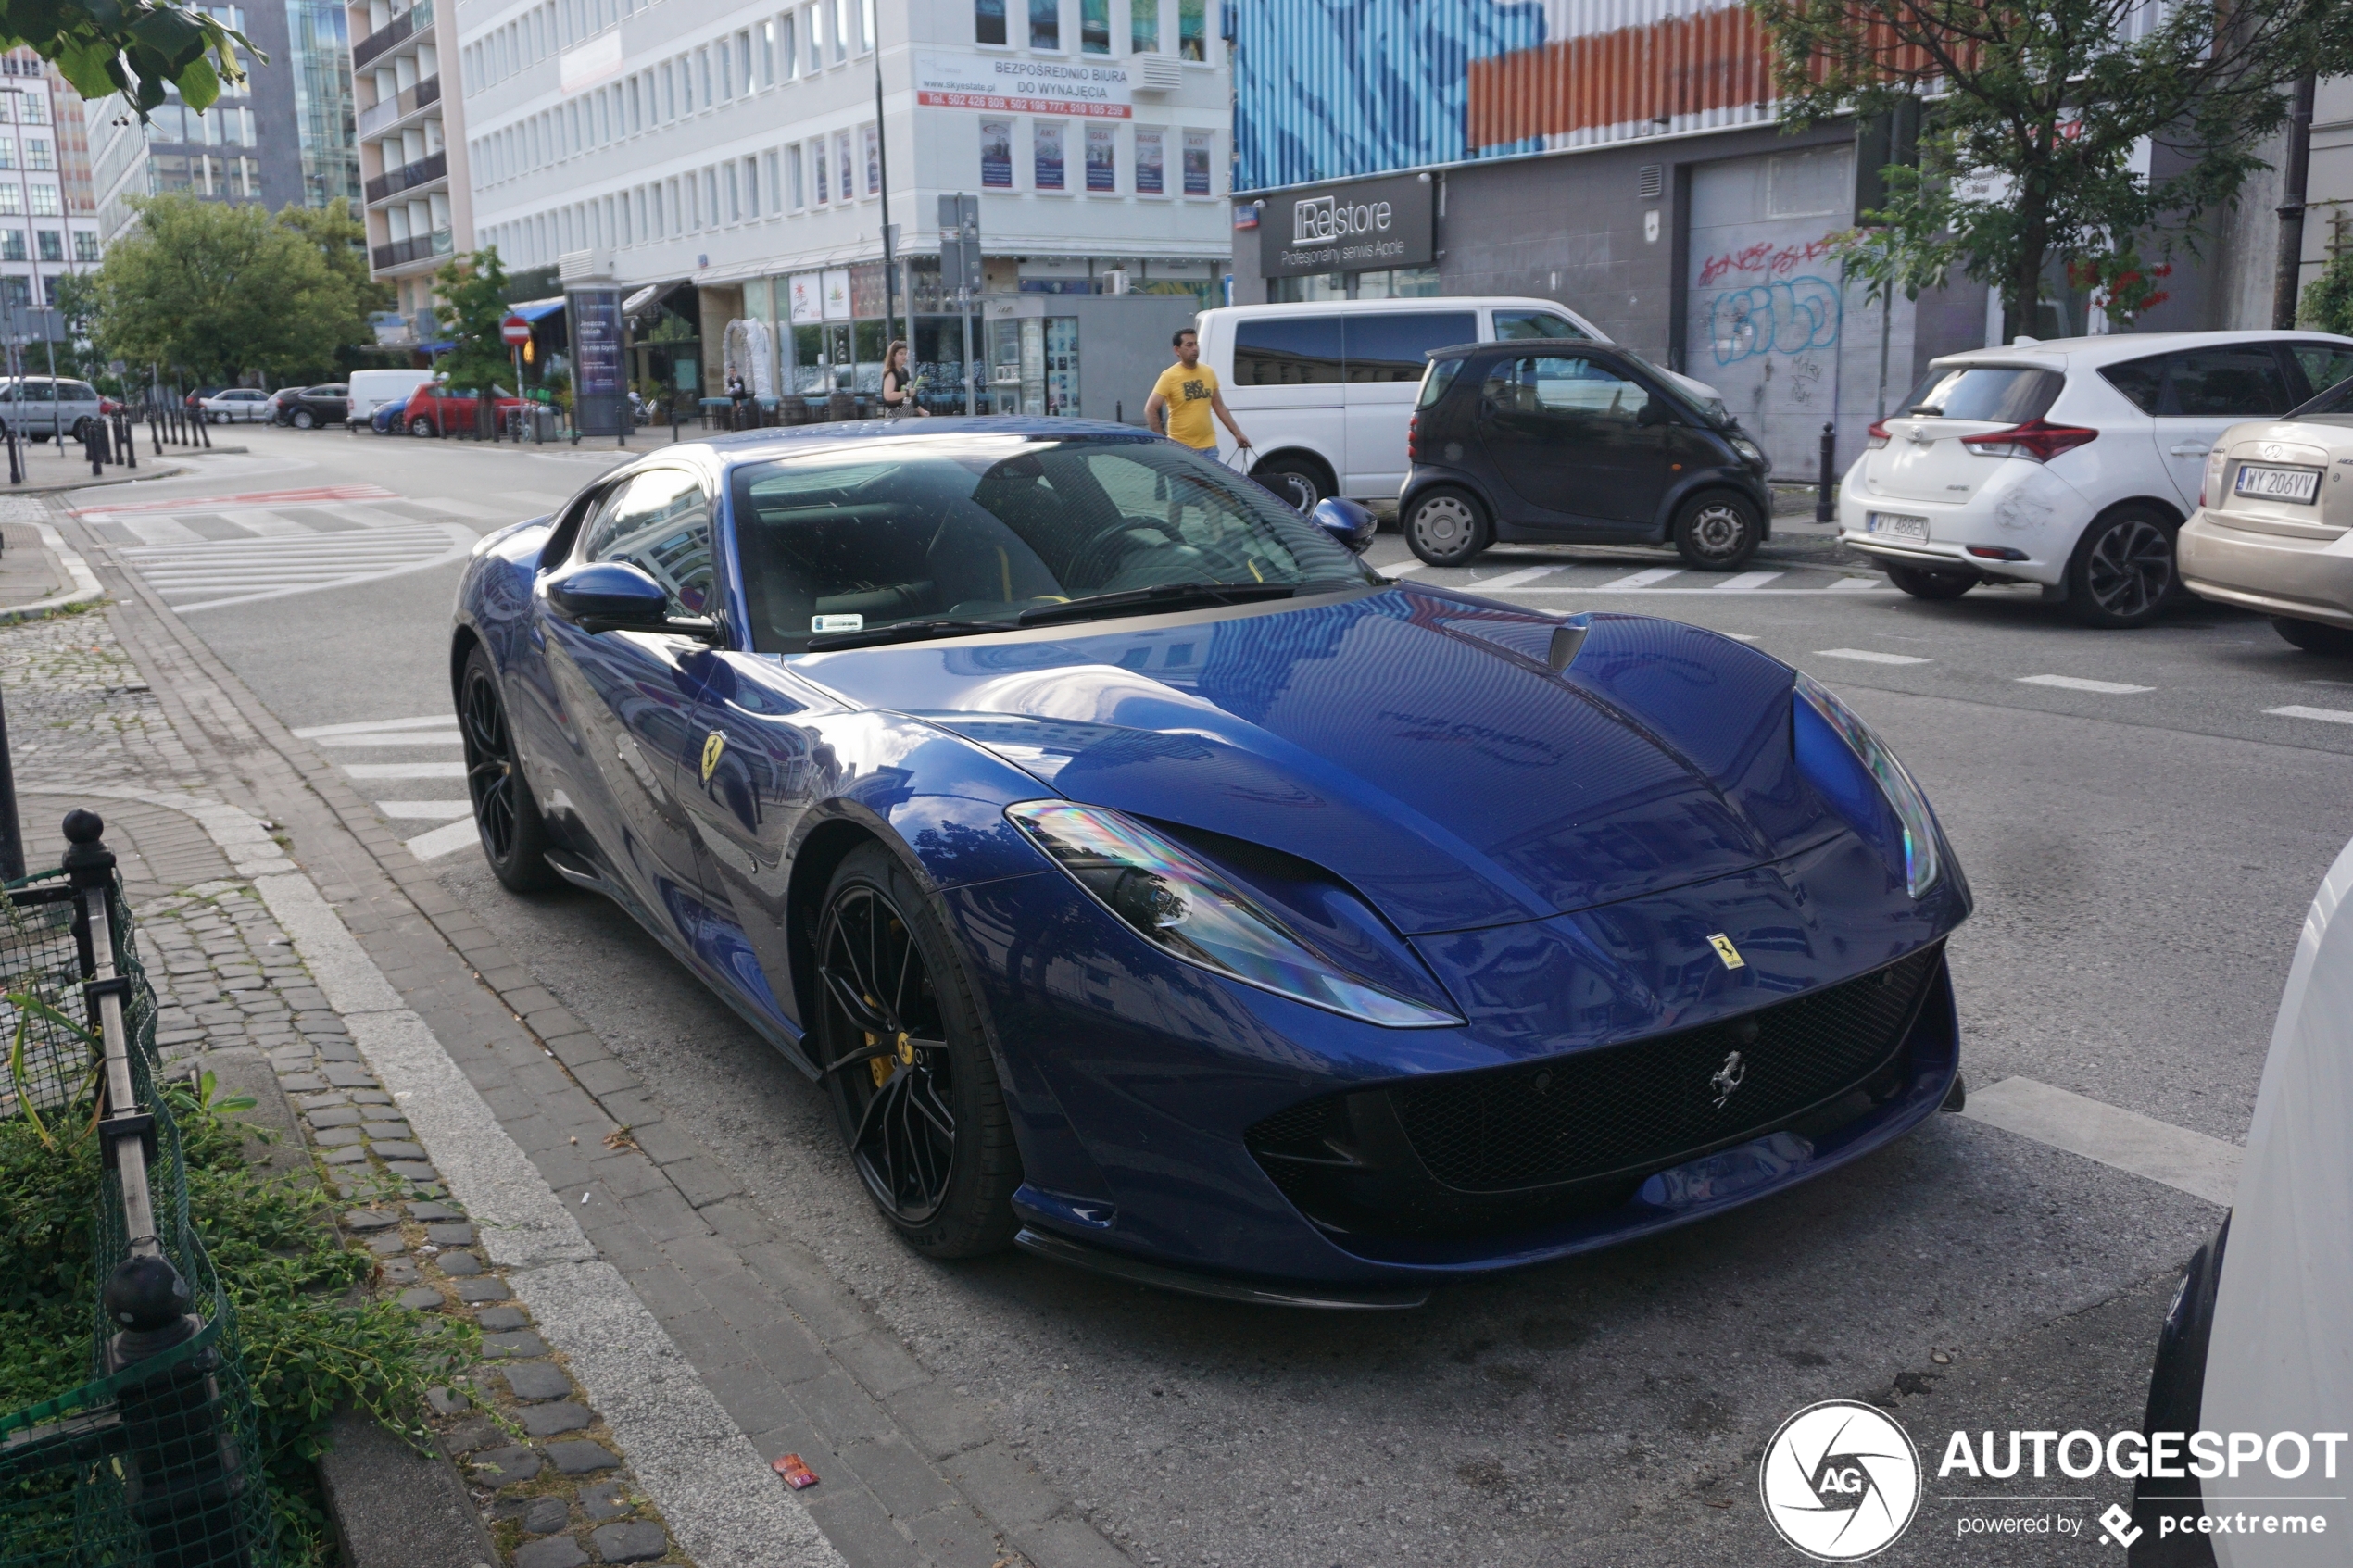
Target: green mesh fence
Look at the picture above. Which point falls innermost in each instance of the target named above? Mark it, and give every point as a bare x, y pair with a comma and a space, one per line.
155, 1464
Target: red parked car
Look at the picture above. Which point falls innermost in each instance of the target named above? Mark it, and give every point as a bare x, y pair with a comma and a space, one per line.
435, 409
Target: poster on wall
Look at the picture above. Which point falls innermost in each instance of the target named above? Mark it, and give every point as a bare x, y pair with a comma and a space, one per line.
1103, 158
824, 181
997, 154
843, 165
1049, 145
1152, 168
837, 294
1091, 89
873, 160
806, 291
1197, 145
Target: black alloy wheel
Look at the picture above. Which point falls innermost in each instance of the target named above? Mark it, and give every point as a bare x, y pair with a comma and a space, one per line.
2314, 637
514, 836
1448, 528
1717, 531
912, 1084
2122, 573
1932, 583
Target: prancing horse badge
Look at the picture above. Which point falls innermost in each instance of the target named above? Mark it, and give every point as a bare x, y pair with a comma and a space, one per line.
1721, 943
716, 742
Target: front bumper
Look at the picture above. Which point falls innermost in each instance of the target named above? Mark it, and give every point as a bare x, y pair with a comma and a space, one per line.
2272, 573
2022, 510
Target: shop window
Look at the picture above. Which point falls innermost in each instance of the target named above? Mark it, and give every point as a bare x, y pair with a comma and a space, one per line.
1094, 27
1143, 26
1192, 29
1045, 24
988, 22
1060, 368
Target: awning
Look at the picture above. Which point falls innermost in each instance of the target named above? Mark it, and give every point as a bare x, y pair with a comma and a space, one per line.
647, 298
533, 309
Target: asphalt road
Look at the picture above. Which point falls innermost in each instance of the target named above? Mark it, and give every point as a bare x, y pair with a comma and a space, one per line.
2143, 829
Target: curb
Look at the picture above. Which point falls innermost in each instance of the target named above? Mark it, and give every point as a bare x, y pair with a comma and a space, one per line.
140, 477
86, 590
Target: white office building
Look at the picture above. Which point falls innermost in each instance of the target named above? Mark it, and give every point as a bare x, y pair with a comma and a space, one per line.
723, 162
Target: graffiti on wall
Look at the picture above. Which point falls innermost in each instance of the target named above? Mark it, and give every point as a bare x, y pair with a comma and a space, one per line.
1775, 317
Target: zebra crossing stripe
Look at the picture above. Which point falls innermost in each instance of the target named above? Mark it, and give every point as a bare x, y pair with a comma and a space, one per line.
427, 732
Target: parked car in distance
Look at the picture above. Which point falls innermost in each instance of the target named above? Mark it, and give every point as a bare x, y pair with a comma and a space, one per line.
238, 405
2271, 531
310, 406
436, 408
1324, 389
2250, 1343
194, 400
2071, 464
40, 405
370, 390
1571, 442
385, 420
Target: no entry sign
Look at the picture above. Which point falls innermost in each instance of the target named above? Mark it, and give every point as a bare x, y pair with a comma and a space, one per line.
515, 330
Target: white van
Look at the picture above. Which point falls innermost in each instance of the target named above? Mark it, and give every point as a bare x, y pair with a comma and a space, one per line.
371, 390
1324, 390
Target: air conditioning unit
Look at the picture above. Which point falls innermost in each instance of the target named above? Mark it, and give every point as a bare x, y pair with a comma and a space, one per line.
1158, 73
584, 266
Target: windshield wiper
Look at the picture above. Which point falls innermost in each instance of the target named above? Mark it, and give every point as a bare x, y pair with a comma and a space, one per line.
1167, 596
902, 632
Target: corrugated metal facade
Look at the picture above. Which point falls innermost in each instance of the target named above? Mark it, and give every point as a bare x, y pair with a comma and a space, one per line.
1326, 89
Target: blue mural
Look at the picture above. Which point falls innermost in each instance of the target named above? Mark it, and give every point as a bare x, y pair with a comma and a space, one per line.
1329, 89
1779, 317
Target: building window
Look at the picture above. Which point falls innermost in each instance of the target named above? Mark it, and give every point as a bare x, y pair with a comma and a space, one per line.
16, 291
37, 154
735, 196
1102, 158
865, 27
873, 160
44, 202
743, 62
1192, 29
85, 246
794, 193
1045, 166
727, 73
752, 187
768, 53
843, 11
636, 108
988, 22
811, 19
1045, 24
7, 152
1094, 27
997, 154
11, 244
1151, 162
1143, 26
788, 44
842, 166
817, 150
53, 244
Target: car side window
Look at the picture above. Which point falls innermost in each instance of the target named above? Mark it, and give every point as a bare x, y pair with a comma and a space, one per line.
1514, 324
2324, 364
1565, 388
2240, 382
81, 392
1390, 345
1288, 351
2143, 381
660, 523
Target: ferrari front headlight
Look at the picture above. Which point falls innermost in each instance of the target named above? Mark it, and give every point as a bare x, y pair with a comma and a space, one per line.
1192, 911
1896, 786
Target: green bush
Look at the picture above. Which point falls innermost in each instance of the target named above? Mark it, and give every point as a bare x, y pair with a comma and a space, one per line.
311, 1342
2328, 299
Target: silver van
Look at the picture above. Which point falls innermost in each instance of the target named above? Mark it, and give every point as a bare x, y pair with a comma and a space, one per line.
40, 406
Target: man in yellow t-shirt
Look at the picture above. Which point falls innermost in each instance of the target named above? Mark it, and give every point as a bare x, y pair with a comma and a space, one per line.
1183, 397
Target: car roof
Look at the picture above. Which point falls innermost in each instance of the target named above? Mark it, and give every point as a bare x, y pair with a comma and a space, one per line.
1426, 302
2111, 348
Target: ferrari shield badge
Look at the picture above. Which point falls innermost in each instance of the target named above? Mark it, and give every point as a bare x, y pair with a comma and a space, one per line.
715, 743
1721, 943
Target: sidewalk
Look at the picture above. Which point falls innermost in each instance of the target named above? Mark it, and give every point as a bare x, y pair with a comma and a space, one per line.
625, 1456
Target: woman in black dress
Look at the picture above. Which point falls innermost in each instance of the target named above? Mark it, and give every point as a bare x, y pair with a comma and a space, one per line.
897, 386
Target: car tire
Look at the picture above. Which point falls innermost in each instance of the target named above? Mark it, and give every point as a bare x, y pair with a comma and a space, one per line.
304, 420
1299, 483
1448, 527
2314, 637
420, 427
514, 836
926, 1123
81, 431
2123, 571
1717, 532
1932, 583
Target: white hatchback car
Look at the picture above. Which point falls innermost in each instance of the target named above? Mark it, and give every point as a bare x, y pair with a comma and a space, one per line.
2070, 464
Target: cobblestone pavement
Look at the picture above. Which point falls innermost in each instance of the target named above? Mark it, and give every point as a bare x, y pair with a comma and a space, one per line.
540, 1462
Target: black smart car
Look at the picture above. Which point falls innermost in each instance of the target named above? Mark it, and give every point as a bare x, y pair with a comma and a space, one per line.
1572, 442
316, 406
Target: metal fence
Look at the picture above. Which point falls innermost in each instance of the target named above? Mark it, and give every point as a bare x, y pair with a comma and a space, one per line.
154, 1459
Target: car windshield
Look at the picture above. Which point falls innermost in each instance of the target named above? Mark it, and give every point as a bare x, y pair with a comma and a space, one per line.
866, 535
2001, 394
1710, 410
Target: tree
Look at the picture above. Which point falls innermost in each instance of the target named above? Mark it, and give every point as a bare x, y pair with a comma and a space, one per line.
75, 297
129, 46
472, 292
2039, 108
217, 289
342, 240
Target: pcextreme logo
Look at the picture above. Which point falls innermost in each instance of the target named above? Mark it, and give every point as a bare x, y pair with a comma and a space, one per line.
1840, 1481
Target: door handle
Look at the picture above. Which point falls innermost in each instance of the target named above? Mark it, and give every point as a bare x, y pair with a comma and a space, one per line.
2188, 451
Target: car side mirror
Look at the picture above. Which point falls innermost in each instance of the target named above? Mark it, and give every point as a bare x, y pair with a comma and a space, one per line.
1353, 525
1653, 412
613, 595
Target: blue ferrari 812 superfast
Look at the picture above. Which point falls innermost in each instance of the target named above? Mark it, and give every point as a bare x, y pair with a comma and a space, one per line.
1151, 883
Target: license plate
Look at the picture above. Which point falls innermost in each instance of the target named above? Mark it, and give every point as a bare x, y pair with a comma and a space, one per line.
2279, 485
1898, 525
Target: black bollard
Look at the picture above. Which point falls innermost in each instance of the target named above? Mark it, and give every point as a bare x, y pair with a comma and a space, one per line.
93, 444
1823, 510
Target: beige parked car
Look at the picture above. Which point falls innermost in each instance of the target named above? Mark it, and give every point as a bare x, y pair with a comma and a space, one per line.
2273, 531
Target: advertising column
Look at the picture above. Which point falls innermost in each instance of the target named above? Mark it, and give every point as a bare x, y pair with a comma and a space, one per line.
599, 394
